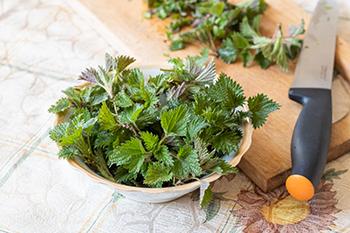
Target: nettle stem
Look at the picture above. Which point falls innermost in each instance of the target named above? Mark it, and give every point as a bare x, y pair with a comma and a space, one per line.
132, 128
115, 109
163, 139
136, 128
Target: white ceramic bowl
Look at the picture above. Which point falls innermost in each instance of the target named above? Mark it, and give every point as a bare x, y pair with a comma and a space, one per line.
159, 195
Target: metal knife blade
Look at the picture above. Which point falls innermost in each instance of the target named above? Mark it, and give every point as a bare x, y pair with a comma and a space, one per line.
316, 61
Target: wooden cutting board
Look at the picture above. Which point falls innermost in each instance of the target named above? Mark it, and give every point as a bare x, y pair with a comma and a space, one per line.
268, 161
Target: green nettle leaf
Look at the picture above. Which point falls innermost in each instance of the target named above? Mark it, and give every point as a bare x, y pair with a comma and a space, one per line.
174, 121
162, 13
247, 57
150, 140
261, 106
256, 6
60, 106
149, 97
101, 165
162, 154
187, 163
135, 164
195, 126
282, 59
123, 62
177, 44
89, 124
122, 175
223, 168
123, 100
207, 198
73, 95
227, 92
157, 173
148, 117
210, 163
247, 30
218, 32
256, 23
184, 152
85, 95
240, 41
178, 24
131, 114
106, 118
263, 43
68, 152
104, 139
159, 82
262, 61
70, 139
135, 82
228, 52
227, 142
293, 47
59, 131
131, 154
217, 8
202, 151
99, 98
164, 130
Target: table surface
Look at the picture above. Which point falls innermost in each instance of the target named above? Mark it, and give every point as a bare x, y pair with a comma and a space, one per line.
43, 47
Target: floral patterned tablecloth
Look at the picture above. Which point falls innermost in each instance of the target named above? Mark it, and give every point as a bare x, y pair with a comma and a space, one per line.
43, 47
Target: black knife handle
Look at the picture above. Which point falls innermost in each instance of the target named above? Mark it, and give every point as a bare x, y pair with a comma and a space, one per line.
310, 140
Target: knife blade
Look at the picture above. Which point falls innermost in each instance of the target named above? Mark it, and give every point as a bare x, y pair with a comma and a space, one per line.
312, 88
315, 64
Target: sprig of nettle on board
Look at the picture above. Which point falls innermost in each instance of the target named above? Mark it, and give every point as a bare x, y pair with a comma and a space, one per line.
230, 31
156, 131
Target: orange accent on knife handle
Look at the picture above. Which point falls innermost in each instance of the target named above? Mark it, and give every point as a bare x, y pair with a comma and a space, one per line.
300, 187
310, 141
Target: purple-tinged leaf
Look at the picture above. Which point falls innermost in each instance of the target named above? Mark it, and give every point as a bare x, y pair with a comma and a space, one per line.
89, 75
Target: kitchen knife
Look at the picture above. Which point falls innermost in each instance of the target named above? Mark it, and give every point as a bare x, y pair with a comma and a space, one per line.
312, 89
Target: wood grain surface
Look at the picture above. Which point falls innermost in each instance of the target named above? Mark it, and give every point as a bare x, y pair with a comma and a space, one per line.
268, 161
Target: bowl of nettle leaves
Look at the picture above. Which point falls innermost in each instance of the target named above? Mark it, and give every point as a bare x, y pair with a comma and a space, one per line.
157, 134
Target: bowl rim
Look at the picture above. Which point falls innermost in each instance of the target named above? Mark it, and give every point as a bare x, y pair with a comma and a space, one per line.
245, 144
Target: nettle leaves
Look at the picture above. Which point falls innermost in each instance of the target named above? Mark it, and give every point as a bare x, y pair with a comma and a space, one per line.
230, 31
156, 131
174, 121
